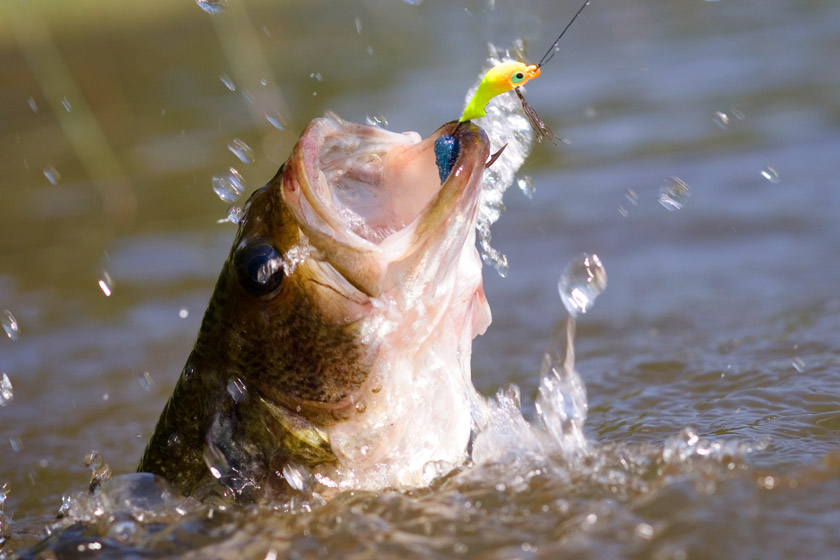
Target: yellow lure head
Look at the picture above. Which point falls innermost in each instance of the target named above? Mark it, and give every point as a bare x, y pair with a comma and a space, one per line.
499, 79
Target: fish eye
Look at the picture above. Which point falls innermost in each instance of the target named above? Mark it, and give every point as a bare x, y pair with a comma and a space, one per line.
517, 78
259, 267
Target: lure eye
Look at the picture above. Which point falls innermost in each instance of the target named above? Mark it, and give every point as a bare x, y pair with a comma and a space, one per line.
517, 78
260, 268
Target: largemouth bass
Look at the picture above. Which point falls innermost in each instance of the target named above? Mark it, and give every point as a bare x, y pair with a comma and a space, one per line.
337, 341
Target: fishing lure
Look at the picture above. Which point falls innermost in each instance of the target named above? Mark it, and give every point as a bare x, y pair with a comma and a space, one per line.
511, 76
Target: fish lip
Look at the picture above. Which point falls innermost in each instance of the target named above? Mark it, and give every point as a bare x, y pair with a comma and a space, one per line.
361, 261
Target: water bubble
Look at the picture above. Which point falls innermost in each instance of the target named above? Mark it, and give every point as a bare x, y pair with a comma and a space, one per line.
526, 185
212, 6
721, 119
52, 174
229, 185
241, 150
32, 104
100, 471
582, 281
6, 391
317, 76
183, 313
66, 104
106, 283
358, 26
228, 82
145, 380
377, 119
770, 174
10, 324
674, 194
275, 119
234, 216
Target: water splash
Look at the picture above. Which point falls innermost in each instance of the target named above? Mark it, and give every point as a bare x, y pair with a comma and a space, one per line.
234, 216
674, 194
10, 324
377, 119
145, 380
275, 120
241, 150
106, 283
583, 280
52, 174
770, 174
6, 390
225, 79
212, 6
229, 185
505, 123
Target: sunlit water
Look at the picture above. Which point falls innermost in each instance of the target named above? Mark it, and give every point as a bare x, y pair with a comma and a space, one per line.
699, 414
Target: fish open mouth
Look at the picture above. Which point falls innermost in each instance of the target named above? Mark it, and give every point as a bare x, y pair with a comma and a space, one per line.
362, 193
363, 184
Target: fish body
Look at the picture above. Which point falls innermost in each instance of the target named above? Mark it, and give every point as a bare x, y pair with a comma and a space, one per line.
338, 337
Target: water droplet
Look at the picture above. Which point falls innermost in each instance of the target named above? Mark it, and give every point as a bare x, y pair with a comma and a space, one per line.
737, 113
721, 119
106, 283
526, 185
358, 26
10, 324
16, 444
275, 119
317, 76
228, 82
590, 112
229, 185
623, 211
370, 51
183, 313
100, 471
66, 104
271, 555
212, 6
32, 104
361, 406
582, 281
234, 216
297, 476
266, 31
413, 2
674, 194
632, 197
644, 531
241, 150
798, 364
770, 174
264, 82
377, 119
52, 174
236, 389
145, 380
